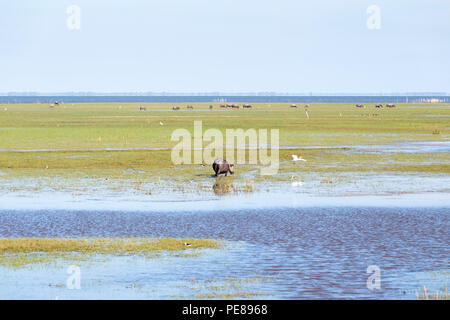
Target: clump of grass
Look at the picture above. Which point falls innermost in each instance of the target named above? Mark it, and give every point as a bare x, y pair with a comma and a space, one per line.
247, 187
100, 245
436, 131
225, 187
438, 295
24, 251
229, 288
327, 180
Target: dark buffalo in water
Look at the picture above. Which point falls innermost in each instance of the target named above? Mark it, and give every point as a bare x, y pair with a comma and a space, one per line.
221, 166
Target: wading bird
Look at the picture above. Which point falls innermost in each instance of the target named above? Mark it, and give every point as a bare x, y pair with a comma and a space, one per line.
297, 158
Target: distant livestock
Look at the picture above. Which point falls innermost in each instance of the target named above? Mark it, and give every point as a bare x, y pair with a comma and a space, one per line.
175, 108
247, 106
211, 106
390, 105
306, 106
360, 106
223, 106
190, 107
378, 105
142, 108
235, 106
293, 106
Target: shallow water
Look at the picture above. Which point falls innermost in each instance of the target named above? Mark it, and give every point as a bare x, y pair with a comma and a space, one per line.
400, 147
303, 252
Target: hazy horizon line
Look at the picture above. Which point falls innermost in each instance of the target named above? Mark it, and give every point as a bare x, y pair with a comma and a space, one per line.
218, 93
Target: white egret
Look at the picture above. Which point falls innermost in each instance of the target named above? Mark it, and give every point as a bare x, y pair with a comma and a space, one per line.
297, 158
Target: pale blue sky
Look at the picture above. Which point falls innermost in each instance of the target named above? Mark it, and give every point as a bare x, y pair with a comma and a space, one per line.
225, 45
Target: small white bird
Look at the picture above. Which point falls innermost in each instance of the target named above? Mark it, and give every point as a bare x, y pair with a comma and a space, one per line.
187, 244
297, 158
161, 124
295, 182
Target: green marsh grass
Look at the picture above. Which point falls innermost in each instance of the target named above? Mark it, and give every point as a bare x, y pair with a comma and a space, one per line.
92, 127
19, 252
424, 294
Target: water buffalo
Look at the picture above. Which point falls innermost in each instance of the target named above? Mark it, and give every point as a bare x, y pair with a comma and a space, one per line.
141, 108
378, 105
293, 106
390, 105
175, 108
246, 106
235, 106
190, 107
221, 166
360, 106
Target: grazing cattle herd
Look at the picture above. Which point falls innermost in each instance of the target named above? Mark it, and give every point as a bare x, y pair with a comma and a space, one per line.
378, 105
244, 106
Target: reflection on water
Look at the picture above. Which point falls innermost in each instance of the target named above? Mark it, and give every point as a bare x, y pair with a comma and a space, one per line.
223, 187
309, 252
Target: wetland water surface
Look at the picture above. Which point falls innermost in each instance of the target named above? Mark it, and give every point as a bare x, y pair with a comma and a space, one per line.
300, 253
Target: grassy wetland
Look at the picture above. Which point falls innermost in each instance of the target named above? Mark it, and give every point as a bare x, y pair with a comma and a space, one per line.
20, 252
115, 147
96, 152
